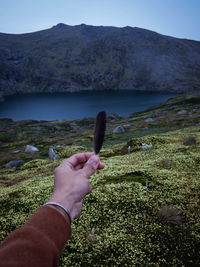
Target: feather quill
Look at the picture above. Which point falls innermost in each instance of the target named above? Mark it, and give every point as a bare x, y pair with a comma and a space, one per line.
99, 131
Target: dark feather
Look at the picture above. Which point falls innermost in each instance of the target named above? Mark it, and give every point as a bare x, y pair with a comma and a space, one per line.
99, 131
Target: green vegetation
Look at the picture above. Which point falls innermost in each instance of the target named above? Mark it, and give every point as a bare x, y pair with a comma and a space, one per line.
125, 220
189, 141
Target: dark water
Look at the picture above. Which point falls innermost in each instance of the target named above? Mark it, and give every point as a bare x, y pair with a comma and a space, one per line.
60, 106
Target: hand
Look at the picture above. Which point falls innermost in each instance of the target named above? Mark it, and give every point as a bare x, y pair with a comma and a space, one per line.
71, 182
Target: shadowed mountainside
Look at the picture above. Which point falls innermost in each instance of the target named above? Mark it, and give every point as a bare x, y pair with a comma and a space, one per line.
82, 57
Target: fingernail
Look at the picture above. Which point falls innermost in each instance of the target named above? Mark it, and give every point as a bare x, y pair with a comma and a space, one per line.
94, 161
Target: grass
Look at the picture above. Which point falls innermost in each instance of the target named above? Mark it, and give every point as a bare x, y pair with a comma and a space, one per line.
123, 222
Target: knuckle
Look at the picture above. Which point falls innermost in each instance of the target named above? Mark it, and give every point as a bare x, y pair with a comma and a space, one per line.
90, 168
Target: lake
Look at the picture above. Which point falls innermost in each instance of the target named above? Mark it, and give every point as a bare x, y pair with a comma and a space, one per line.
60, 106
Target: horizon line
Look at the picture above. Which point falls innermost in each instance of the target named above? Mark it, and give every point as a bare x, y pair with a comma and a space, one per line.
111, 26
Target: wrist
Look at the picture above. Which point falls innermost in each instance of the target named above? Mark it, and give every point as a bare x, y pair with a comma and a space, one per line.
61, 211
60, 208
67, 203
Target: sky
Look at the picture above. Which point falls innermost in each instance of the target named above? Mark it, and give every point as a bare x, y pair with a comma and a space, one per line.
178, 18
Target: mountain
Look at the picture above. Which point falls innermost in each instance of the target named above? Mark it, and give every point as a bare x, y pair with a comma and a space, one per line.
83, 57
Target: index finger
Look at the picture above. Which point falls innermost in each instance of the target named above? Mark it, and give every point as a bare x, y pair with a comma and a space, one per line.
76, 159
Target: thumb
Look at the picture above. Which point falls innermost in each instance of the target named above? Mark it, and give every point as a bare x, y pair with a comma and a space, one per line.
90, 166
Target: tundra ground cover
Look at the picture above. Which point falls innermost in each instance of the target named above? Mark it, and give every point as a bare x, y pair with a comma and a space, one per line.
122, 219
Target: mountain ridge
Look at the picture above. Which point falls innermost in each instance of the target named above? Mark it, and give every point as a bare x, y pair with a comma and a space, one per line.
59, 25
85, 57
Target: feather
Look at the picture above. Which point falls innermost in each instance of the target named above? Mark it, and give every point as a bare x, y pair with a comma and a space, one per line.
99, 131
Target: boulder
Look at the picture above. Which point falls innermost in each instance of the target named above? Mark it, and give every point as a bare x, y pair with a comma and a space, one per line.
31, 149
53, 153
119, 129
127, 125
183, 111
15, 151
146, 147
14, 163
149, 120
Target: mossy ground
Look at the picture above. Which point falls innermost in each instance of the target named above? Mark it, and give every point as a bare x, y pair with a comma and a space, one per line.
119, 224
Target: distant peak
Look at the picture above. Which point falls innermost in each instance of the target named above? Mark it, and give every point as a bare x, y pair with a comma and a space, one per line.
82, 25
60, 25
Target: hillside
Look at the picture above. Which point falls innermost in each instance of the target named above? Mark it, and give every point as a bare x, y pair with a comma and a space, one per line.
144, 209
83, 57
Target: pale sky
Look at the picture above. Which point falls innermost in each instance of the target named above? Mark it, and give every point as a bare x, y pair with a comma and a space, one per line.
178, 18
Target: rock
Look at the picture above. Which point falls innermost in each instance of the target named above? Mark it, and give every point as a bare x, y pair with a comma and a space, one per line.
119, 129
58, 128
14, 163
165, 112
183, 111
38, 128
157, 114
15, 151
127, 125
146, 147
113, 116
53, 153
74, 126
31, 149
149, 120
48, 124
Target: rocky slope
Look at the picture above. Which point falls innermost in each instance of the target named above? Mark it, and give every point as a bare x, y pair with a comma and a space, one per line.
71, 58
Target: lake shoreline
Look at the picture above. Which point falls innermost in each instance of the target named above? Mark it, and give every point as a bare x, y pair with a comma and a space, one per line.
5, 97
83, 104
